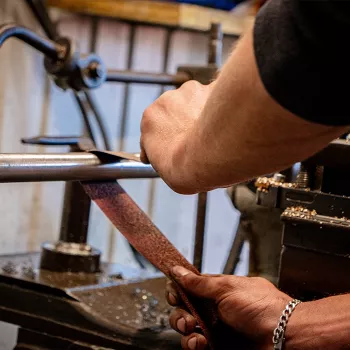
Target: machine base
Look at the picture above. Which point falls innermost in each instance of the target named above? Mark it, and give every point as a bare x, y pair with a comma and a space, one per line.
118, 308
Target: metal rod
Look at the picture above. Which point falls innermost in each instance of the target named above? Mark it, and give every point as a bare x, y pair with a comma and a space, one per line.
235, 251
99, 120
40, 12
200, 231
215, 45
128, 76
75, 166
88, 96
126, 100
47, 47
214, 57
75, 215
121, 135
166, 55
85, 116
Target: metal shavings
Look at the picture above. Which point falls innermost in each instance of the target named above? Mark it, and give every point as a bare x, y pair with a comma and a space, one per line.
264, 183
117, 276
28, 270
9, 268
149, 312
303, 213
299, 212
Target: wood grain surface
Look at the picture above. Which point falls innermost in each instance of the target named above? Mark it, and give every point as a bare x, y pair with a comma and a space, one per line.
158, 13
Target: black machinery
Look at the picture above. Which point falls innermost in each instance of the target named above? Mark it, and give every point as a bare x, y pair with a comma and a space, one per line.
64, 297
315, 258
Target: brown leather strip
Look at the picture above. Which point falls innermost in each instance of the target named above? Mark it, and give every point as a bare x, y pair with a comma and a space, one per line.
139, 230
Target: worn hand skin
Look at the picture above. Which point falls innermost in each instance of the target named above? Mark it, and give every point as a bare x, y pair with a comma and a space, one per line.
203, 137
252, 307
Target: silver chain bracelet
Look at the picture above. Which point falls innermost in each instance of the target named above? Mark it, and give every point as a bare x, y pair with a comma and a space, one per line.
278, 333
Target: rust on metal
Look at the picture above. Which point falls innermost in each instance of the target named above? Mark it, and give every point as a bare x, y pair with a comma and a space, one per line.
139, 230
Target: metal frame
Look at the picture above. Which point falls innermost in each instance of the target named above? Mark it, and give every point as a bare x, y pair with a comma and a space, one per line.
316, 212
64, 51
68, 312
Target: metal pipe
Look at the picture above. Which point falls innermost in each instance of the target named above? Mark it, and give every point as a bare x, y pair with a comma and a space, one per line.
129, 76
200, 230
215, 45
79, 166
40, 12
166, 56
214, 58
85, 116
88, 96
75, 215
47, 47
127, 87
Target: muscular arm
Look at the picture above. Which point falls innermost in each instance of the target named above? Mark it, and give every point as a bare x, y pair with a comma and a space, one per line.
279, 99
243, 132
322, 324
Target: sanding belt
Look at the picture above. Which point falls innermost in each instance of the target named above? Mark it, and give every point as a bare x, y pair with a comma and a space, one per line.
140, 231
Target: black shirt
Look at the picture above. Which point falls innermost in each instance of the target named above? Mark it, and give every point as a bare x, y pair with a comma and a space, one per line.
302, 53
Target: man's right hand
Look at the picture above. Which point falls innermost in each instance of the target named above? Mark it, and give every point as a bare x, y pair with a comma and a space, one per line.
249, 306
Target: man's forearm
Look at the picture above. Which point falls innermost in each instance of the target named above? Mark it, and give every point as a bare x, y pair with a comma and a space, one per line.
322, 324
242, 132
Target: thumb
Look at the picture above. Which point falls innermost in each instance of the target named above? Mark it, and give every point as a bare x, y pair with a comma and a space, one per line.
196, 285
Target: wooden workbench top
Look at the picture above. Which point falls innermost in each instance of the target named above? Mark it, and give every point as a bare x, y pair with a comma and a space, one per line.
177, 15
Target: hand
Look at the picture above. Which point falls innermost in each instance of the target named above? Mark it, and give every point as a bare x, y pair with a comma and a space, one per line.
250, 306
167, 127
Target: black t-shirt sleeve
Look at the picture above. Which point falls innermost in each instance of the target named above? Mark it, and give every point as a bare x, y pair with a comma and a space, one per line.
303, 57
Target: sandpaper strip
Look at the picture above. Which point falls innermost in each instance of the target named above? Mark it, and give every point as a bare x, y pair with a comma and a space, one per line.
140, 231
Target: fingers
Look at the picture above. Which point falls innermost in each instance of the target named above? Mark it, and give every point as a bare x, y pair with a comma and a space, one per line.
199, 285
182, 322
194, 342
171, 294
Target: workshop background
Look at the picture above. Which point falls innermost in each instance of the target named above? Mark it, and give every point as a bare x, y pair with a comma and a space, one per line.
31, 105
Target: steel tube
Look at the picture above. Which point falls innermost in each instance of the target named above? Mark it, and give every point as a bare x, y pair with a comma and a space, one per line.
128, 76
214, 57
47, 47
40, 12
78, 166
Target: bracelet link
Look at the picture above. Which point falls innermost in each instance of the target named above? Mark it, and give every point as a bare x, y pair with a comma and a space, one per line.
278, 333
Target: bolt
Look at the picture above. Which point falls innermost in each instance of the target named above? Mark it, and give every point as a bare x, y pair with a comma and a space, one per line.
303, 178
95, 70
279, 177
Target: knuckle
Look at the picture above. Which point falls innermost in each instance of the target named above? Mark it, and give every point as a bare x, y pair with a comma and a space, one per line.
260, 280
225, 283
179, 186
146, 119
193, 84
193, 283
167, 94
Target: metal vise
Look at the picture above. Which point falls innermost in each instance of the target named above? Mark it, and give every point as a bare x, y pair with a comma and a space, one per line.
316, 236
